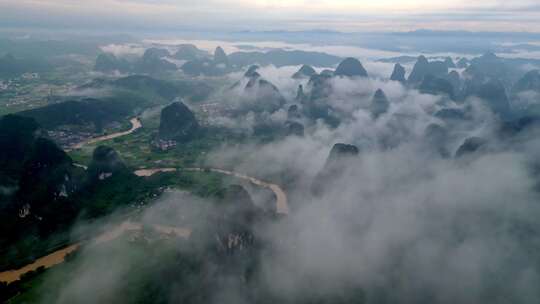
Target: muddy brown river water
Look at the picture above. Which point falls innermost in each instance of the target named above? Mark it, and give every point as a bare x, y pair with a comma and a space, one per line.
59, 256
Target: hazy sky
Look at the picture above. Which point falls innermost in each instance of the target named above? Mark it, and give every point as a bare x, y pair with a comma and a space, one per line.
344, 15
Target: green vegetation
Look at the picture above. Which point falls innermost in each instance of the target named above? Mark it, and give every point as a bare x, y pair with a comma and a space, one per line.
153, 270
155, 91
121, 191
94, 112
89, 198
146, 268
138, 151
13, 67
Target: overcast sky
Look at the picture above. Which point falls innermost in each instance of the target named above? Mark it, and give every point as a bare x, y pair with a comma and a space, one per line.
231, 15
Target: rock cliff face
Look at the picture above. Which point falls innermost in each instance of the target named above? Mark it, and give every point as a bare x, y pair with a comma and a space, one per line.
398, 74
189, 52
450, 63
463, 63
105, 163
32, 167
337, 161
423, 68
294, 129
110, 63
341, 151
316, 105
47, 174
233, 219
529, 82
301, 97
470, 146
436, 137
492, 93
267, 96
455, 80
379, 104
350, 67
178, 123
293, 112
220, 57
490, 67
152, 62
218, 66
252, 72
19, 134
320, 85
437, 86
257, 94
156, 52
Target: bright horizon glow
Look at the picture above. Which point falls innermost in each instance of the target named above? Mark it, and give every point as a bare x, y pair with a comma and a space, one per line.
343, 15
348, 5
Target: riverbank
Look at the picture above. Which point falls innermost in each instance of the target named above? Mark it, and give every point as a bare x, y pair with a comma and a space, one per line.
135, 125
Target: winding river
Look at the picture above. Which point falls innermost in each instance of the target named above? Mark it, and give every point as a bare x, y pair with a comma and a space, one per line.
282, 205
59, 256
135, 125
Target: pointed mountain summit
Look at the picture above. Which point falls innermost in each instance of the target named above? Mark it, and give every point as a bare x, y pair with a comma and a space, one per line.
338, 161
350, 67
220, 57
252, 72
463, 63
152, 62
105, 162
108, 62
266, 96
305, 71
450, 63
489, 67
379, 104
189, 52
489, 56
177, 123
423, 68
398, 74
420, 69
